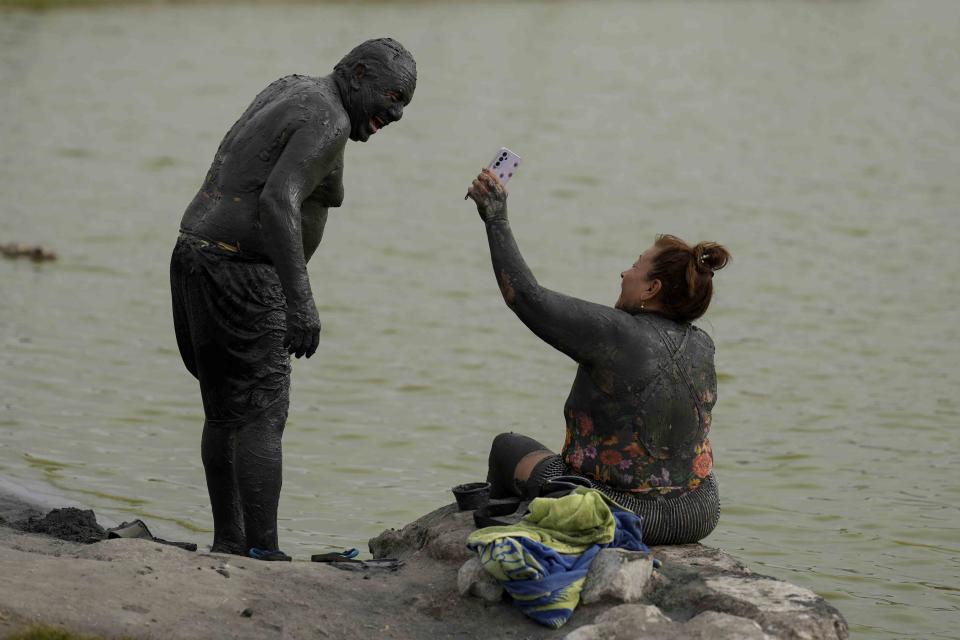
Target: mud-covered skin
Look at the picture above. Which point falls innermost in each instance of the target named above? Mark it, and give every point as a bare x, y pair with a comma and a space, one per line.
266, 196
638, 412
280, 168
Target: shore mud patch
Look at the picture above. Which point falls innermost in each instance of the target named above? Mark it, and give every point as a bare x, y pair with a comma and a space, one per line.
69, 523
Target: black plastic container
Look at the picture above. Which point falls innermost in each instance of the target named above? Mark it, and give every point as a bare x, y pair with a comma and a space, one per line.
472, 495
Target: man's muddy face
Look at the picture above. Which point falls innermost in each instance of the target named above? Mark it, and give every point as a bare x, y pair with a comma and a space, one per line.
384, 90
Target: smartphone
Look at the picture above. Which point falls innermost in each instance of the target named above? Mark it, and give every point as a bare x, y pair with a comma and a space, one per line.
504, 164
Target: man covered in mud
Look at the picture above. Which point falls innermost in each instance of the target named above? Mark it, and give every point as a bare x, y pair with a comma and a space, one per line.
242, 302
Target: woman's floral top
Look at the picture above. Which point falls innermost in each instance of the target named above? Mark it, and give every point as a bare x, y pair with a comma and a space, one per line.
627, 465
654, 437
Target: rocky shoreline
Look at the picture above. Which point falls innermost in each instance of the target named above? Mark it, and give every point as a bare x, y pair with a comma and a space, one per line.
136, 588
695, 592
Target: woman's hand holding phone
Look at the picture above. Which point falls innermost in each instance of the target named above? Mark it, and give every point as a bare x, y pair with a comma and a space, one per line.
488, 189
491, 198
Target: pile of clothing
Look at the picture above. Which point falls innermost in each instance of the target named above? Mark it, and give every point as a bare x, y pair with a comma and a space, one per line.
542, 560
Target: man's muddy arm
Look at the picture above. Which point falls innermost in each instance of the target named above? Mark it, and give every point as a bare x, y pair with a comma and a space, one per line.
296, 174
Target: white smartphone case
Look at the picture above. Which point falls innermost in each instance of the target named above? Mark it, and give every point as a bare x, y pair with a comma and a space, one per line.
504, 164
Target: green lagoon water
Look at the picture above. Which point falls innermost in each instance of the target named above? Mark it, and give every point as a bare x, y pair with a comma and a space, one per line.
819, 140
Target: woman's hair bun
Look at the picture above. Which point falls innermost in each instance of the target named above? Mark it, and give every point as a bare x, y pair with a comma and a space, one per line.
710, 256
686, 274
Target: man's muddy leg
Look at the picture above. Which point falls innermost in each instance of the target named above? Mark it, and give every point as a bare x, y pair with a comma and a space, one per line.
218, 451
260, 476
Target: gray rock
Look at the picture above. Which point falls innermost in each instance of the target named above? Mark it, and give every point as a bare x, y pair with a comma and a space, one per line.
699, 557
783, 609
441, 535
617, 575
624, 621
712, 625
699, 592
647, 622
697, 579
473, 580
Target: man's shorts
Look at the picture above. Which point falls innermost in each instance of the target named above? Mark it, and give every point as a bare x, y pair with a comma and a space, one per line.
229, 314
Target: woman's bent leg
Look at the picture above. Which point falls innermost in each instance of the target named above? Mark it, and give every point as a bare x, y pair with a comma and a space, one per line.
546, 469
683, 520
513, 457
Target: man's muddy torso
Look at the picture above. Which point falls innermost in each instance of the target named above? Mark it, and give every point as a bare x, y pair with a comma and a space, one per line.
227, 206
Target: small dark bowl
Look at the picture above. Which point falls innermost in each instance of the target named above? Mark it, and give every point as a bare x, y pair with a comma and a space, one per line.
472, 495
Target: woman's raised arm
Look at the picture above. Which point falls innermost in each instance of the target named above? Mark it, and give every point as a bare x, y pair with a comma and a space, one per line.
583, 330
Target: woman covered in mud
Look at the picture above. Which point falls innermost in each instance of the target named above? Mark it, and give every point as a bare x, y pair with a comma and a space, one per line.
638, 413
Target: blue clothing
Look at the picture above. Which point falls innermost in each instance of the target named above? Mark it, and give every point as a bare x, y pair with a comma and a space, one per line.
543, 568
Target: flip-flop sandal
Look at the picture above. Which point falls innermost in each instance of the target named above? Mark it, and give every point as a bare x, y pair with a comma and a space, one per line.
188, 546
270, 555
335, 556
559, 487
499, 513
137, 529
509, 511
388, 564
